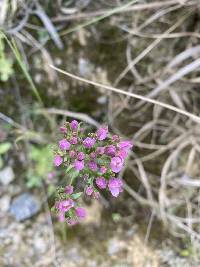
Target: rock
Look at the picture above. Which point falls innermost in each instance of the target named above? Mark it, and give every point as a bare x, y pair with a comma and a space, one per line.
6, 175
84, 66
102, 100
24, 207
73, 255
114, 246
4, 203
39, 244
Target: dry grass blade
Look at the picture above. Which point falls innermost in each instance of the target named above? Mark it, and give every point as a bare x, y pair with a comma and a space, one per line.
143, 98
177, 76
137, 7
67, 113
193, 51
144, 179
99, 18
49, 26
165, 169
149, 48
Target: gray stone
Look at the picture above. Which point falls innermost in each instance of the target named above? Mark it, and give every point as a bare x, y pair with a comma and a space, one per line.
102, 99
6, 175
24, 207
85, 68
74, 256
113, 246
4, 203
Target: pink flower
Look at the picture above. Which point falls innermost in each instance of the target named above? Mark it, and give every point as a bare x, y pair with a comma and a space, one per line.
81, 156
102, 133
103, 169
89, 142
72, 154
71, 221
80, 212
63, 129
50, 176
115, 186
57, 160
89, 190
65, 205
85, 177
122, 154
110, 150
61, 216
116, 164
93, 155
101, 182
74, 125
79, 165
115, 138
64, 144
100, 150
92, 165
69, 189
125, 145
96, 195
74, 140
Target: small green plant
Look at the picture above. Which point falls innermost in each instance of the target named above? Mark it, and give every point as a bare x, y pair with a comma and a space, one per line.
4, 147
92, 160
6, 64
42, 165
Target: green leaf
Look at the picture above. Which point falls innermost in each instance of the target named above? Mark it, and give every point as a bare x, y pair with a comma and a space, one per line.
76, 196
34, 181
51, 189
185, 253
73, 174
1, 162
6, 69
4, 147
69, 168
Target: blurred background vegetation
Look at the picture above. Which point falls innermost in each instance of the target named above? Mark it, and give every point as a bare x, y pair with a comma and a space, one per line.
146, 47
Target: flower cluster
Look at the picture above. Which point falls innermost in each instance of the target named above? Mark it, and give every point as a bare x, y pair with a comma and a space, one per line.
95, 159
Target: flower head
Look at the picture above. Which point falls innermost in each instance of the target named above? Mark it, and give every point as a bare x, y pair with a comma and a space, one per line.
71, 221
64, 144
69, 189
101, 182
85, 177
74, 125
96, 195
93, 155
72, 154
92, 165
80, 156
79, 165
116, 164
89, 190
63, 129
74, 140
65, 205
89, 142
80, 212
100, 150
115, 186
102, 133
110, 150
122, 154
115, 138
57, 160
103, 169
125, 145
